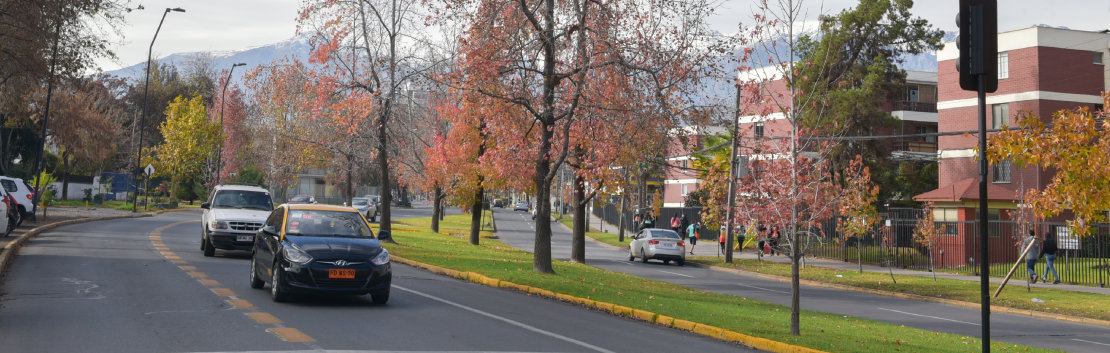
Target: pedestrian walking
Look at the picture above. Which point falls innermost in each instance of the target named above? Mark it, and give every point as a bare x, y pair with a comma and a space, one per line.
1048, 250
676, 224
774, 241
692, 233
740, 238
1031, 256
762, 234
683, 223
649, 221
721, 240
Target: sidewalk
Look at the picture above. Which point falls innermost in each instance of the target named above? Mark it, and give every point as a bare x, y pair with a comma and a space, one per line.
597, 223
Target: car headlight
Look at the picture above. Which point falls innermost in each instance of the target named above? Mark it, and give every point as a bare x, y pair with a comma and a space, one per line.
296, 255
381, 259
219, 225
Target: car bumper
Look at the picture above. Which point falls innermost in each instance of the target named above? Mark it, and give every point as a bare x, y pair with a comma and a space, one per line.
229, 241
678, 253
313, 278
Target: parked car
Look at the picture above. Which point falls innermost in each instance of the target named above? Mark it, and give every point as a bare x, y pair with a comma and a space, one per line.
231, 217
498, 203
521, 206
320, 249
24, 197
302, 200
8, 220
365, 206
659, 244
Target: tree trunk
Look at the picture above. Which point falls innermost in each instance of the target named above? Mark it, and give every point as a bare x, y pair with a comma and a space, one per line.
65, 176
621, 217
578, 239
350, 191
795, 287
436, 208
541, 259
383, 163
476, 216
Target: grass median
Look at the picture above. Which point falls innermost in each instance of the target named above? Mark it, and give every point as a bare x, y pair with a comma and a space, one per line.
607, 238
1079, 304
828, 332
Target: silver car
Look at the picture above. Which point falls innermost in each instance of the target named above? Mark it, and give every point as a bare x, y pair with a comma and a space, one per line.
366, 206
659, 244
521, 206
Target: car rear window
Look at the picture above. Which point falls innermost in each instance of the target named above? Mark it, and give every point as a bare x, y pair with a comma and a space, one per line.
360, 202
299, 198
9, 185
669, 234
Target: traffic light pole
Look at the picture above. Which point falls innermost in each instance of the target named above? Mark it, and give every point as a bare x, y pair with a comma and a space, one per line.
984, 255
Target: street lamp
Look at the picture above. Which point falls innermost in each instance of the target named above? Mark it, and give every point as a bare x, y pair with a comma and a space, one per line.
220, 157
146, 88
46, 118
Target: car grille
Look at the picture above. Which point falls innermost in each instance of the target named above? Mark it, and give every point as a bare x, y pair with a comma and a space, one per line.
340, 283
245, 226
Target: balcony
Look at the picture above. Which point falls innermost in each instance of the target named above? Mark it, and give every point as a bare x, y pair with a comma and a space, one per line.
912, 106
915, 146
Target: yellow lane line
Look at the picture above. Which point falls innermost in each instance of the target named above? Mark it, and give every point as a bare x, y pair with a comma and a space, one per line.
179, 261
188, 268
223, 292
161, 248
264, 318
240, 304
168, 253
173, 257
198, 274
290, 334
208, 282
156, 237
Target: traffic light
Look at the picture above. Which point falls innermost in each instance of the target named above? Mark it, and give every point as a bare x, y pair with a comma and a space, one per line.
978, 44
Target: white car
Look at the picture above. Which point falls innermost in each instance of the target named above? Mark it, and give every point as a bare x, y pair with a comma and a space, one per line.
366, 206
233, 214
521, 206
21, 191
8, 221
659, 244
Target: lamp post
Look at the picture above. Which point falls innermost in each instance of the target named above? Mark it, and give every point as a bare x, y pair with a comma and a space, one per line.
146, 89
223, 94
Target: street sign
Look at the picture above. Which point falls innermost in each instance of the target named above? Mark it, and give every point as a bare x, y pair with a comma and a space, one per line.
149, 169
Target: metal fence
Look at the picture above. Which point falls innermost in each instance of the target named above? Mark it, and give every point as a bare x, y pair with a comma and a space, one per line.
1080, 260
612, 215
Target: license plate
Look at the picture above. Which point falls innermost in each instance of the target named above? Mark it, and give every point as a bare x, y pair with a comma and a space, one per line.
244, 238
343, 274
667, 246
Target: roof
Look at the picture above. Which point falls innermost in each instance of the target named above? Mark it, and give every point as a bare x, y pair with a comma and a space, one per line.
241, 187
318, 207
967, 189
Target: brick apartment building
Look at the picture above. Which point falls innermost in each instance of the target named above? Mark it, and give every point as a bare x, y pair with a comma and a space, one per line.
1041, 70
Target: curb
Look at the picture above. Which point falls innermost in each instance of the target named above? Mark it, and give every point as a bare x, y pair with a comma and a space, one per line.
960, 303
647, 316
6, 256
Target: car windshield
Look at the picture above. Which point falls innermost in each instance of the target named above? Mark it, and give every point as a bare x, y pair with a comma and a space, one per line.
360, 202
660, 233
243, 199
313, 223
299, 198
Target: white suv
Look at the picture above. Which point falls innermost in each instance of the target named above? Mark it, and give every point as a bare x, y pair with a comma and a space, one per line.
21, 191
233, 214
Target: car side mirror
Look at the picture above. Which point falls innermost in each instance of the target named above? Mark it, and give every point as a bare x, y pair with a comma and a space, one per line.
272, 230
385, 235
205, 205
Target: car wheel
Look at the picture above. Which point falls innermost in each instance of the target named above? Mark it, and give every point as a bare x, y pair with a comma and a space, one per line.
379, 298
680, 262
209, 250
643, 257
276, 293
372, 218
18, 217
631, 255
666, 262
203, 236
256, 282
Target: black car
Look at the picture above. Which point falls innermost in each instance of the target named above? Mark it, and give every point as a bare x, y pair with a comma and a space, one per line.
320, 249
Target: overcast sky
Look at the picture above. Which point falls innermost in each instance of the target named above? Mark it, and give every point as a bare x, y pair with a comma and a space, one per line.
238, 24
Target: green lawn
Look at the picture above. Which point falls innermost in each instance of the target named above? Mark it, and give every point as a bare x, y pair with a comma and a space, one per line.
607, 238
828, 332
1079, 304
457, 225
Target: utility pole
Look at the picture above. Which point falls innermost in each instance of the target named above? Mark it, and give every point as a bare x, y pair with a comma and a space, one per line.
732, 172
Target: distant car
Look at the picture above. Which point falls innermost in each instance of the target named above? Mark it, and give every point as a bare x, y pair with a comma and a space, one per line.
499, 203
533, 213
366, 206
521, 206
302, 200
24, 197
320, 249
659, 244
233, 214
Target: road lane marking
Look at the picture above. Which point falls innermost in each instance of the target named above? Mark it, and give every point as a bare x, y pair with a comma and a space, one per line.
760, 288
168, 253
1103, 344
161, 248
240, 304
188, 268
931, 317
679, 274
621, 262
179, 261
290, 334
264, 318
514, 323
209, 282
198, 274
156, 237
223, 292
173, 257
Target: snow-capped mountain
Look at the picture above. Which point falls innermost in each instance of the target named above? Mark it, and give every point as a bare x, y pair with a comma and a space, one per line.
297, 46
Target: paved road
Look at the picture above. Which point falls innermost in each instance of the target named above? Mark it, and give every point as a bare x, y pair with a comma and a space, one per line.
103, 287
517, 229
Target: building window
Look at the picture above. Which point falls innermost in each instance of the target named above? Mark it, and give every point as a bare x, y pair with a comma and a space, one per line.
759, 131
1000, 115
1002, 172
684, 192
685, 165
1098, 58
913, 93
1004, 65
